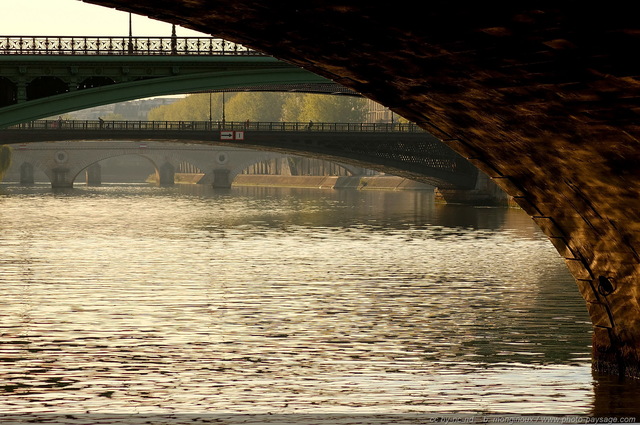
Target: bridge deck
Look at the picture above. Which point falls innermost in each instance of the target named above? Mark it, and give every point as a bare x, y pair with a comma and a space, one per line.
402, 149
92, 125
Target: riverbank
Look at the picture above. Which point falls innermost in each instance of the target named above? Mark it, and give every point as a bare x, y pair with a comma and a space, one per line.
336, 182
317, 182
332, 182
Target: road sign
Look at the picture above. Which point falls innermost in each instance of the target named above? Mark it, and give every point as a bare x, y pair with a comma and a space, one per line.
232, 135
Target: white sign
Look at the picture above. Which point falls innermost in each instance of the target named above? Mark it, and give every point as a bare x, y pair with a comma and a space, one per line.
232, 135
226, 135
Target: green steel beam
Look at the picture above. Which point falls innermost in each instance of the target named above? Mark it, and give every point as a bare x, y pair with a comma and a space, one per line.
179, 84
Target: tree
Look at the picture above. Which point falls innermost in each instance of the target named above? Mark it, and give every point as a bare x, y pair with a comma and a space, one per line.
263, 106
255, 106
195, 107
113, 117
5, 160
293, 105
326, 108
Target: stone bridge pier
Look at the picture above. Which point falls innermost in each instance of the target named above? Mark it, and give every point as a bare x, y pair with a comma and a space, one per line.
94, 175
27, 173
485, 192
165, 174
221, 178
61, 177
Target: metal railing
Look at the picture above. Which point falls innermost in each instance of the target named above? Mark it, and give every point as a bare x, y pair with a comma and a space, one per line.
92, 125
136, 46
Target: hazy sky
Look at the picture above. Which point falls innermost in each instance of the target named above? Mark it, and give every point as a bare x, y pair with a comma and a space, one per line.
74, 17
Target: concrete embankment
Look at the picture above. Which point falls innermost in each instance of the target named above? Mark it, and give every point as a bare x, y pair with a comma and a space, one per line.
471, 197
332, 182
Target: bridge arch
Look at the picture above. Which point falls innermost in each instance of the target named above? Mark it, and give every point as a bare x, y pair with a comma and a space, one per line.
91, 166
96, 81
50, 96
296, 164
45, 86
9, 92
238, 167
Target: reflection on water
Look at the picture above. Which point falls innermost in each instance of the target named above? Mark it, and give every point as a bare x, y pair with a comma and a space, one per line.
143, 299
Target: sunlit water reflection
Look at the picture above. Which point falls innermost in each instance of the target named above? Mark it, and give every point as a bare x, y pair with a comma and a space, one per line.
144, 299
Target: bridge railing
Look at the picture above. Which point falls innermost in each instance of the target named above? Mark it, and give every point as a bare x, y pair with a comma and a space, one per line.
137, 46
92, 125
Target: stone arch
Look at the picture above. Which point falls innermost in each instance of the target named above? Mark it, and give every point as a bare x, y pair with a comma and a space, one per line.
222, 174
86, 166
301, 165
46, 86
186, 166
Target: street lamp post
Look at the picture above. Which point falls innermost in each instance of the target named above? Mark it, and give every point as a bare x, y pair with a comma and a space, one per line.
223, 112
210, 110
130, 35
174, 40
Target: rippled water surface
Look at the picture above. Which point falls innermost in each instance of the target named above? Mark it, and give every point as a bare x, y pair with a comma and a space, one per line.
145, 299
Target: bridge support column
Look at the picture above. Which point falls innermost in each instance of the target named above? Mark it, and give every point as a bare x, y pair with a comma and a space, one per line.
221, 179
166, 175
94, 175
27, 173
486, 192
60, 178
21, 90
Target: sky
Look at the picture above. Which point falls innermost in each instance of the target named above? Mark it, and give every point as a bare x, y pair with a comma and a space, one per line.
74, 17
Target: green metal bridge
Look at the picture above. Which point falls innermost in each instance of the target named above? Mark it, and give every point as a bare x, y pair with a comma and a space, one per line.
46, 76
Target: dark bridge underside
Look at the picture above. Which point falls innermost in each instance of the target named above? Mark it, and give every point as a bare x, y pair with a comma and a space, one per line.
542, 96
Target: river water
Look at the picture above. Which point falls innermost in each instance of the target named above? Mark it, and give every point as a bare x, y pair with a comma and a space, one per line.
142, 299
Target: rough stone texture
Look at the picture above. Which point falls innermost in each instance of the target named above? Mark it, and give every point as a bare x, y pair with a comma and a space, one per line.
541, 96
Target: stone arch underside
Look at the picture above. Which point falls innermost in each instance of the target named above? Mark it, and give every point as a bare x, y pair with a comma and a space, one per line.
165, 162
73, 164
541, 97
86, 164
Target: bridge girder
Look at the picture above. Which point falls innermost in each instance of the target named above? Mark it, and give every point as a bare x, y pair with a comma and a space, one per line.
134, 78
